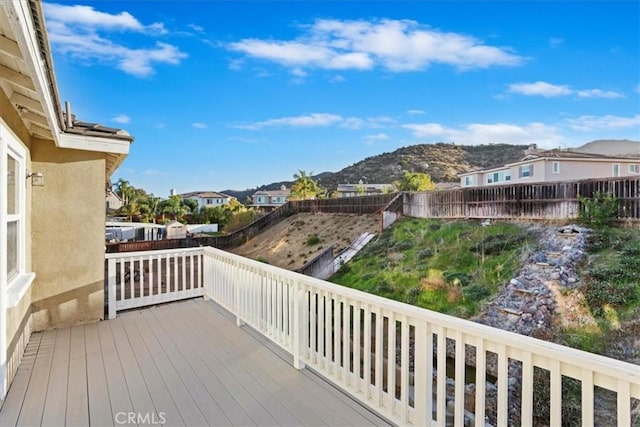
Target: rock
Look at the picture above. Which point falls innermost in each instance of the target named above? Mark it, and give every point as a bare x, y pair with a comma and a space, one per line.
515, 282
554, 275
527, 317
572, 280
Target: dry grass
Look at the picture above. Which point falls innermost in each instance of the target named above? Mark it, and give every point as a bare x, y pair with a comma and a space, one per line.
285, 244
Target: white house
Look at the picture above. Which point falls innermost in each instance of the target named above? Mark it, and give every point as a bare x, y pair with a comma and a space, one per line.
209, 199
363, 189
553, 165
266, 200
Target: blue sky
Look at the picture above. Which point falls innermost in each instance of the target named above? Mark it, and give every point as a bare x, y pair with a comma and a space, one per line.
232, 95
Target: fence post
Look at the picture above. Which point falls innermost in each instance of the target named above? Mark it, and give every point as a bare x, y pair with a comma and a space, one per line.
111, 287
298, 319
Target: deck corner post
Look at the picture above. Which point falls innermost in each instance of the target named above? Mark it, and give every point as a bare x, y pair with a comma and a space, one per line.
111, 287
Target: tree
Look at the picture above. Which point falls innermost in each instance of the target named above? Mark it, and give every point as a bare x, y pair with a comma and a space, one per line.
150, 208
304, 187
125, 191
415, 181
174, 207
130, 210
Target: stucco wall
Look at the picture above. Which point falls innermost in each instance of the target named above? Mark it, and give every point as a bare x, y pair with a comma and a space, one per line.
11, 119
68, 224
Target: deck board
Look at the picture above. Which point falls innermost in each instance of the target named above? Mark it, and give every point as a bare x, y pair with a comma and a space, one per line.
153, 378
34, 400
77, 393
13, 403
55, 406
183, 363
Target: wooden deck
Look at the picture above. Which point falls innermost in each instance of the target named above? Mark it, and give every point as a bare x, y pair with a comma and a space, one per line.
183, 363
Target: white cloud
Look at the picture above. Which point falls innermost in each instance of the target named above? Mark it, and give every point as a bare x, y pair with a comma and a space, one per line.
594, 123
539, 88
555, 41
78, 32
376, 137
482, 133
121, 118
353, 123
195, 27
199, 125
310, 120
415, 112
337, 79
394, 45
549, 90
88, 17
598, 93
321, 120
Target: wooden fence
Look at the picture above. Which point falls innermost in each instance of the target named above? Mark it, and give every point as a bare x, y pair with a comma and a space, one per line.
551, 200
349, 205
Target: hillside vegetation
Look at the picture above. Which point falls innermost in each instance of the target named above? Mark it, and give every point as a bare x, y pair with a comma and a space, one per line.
443, 162
445, 266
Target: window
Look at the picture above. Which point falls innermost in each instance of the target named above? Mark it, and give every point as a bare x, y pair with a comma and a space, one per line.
634, 169
496, 177
468, 181
13, 217
616, 169
260, 200
209, 201
555, 167
525, 171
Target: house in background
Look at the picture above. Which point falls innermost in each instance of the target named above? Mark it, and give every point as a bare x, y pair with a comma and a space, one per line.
208, 199
113, 201
553, 165
363, 189
54, 172
268, 200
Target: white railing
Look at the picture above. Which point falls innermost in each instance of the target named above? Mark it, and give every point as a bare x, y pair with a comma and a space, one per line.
392, 356
137, 279
404, 362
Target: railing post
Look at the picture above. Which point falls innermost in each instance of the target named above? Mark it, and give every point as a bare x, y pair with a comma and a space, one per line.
111, 287
298, 319
237, 304
204, 274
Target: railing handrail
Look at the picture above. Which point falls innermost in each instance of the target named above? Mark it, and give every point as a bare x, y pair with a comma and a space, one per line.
117, 255
607, 366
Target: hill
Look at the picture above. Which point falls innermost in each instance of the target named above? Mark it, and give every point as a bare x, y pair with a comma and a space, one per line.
611, 147
442, 161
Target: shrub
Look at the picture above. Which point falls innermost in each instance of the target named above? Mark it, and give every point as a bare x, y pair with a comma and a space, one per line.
313, 240
412, 295
599, 211
425, 253
476, 292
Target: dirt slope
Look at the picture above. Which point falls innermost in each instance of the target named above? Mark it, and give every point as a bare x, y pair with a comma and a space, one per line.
285, 244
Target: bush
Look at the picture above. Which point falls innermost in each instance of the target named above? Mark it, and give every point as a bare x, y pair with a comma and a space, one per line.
425, 253
457, 278
313, 240
476, 292
412, 295
617, 293
599, 211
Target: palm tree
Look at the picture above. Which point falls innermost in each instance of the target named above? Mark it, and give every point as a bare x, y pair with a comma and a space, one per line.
304, 187
131, 209
175, 208
150, 208
415, 181
125, 191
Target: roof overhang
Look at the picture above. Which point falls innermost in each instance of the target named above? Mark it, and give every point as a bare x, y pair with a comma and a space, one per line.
27, 78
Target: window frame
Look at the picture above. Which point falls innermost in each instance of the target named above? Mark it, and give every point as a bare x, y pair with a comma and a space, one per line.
555, 167
634, 169
18, 284
615, 170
